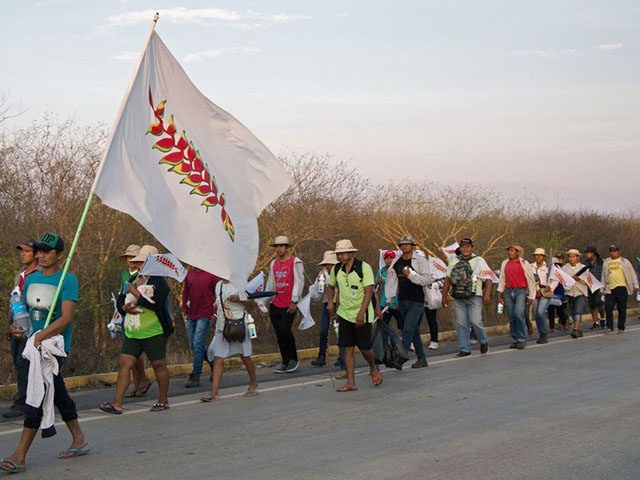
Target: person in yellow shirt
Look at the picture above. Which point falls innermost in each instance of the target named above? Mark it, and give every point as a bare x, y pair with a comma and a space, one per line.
619, 280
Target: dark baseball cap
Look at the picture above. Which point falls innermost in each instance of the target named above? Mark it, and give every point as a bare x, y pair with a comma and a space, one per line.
613, 248
30, 244
466, 241
51, 241
591, 249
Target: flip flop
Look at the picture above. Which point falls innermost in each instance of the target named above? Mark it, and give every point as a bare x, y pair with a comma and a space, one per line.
13, 468
74, 452
376, 379
208, 398
251, 392
107, 407
347, 387
159, 407
139, 393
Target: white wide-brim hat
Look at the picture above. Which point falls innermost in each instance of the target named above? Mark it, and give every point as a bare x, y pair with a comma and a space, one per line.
344, 246
281, 240
329, 258
145, 251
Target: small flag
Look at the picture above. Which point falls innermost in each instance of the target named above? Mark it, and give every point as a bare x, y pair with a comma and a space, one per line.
450, 251
163, 265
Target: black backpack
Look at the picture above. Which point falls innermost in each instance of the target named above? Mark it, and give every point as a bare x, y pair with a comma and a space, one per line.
462, 284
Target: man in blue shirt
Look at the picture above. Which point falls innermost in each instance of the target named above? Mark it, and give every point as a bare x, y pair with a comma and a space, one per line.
39, 290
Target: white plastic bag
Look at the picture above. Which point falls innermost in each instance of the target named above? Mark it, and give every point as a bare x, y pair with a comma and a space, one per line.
433, 297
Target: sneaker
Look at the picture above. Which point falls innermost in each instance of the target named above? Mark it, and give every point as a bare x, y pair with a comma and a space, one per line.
193, 381
462, 354
433, 346
484, 348
595, 326
14, 411
543, 338
321, 361
521, 345
514, 345
281, 368
399, 362
574, 333
420, 363
292, 366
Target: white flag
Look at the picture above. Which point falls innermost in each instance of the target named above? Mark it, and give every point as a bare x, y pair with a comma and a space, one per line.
437, 267
163, 265
592, 282
484, 272
256, 284
563, 277
304, 306
450, 251
187, 171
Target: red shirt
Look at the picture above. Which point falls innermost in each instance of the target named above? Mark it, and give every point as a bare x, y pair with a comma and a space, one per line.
514, 275
283, 279
198, 294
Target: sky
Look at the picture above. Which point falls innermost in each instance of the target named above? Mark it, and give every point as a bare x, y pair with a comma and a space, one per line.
540, 99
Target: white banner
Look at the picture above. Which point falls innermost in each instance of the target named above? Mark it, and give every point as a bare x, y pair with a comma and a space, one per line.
484, 272
188, 171
256, 284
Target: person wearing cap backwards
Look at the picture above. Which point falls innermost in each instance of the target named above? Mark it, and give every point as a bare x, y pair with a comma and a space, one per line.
381, 280
516, 290
354, 280
467, 304
146, 329
39, 289
619, 280
545, 287
577, 294
407, 277
286, 276
329, 259
141, 383
29, 260
594, 263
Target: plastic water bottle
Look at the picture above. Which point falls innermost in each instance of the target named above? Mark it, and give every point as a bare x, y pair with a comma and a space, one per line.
19, 312
500, 308
252, 327
474, 283
321, 283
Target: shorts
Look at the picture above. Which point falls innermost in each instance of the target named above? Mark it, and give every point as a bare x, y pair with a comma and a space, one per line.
351, 336
155, 347
595, 299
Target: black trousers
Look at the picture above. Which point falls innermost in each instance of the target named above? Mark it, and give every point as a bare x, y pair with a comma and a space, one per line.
562, 315
618, 297
22, 370
433, 323
282, 322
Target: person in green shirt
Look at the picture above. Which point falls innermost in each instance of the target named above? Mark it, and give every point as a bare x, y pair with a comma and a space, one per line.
354, 280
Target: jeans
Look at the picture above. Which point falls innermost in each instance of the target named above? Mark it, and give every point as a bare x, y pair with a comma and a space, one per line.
282, 322
22, 370
515, 300
325, 323
540, 306
433, 323
197, 330
411, 313
576, 305
469, 313
618, 297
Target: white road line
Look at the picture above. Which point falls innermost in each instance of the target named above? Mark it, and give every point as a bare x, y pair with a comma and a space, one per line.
104, 416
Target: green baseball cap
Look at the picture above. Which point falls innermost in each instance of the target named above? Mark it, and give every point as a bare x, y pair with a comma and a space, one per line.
51, 241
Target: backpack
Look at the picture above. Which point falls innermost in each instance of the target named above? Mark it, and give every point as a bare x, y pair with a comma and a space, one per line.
462, 284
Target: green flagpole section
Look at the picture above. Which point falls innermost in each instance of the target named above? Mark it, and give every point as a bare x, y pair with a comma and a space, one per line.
68, 260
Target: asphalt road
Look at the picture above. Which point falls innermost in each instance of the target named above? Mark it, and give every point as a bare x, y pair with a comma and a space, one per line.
566, 410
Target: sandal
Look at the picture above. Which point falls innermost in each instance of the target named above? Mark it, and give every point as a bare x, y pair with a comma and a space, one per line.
139, 392
251, 392
347, 387
12, 467
159, 407
74, 452
108, 407
376, 379
208, 398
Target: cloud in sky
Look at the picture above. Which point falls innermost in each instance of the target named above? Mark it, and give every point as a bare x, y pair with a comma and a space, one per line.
126, 56
200, 56
605, 47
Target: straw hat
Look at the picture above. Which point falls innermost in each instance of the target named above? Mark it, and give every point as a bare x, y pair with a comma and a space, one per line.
145, 251
344, 246
329, 258
540, 251
518, 248
131, 251
573, 251
281, 240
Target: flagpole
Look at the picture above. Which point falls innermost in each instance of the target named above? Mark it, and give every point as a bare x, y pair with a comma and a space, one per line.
87, 205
